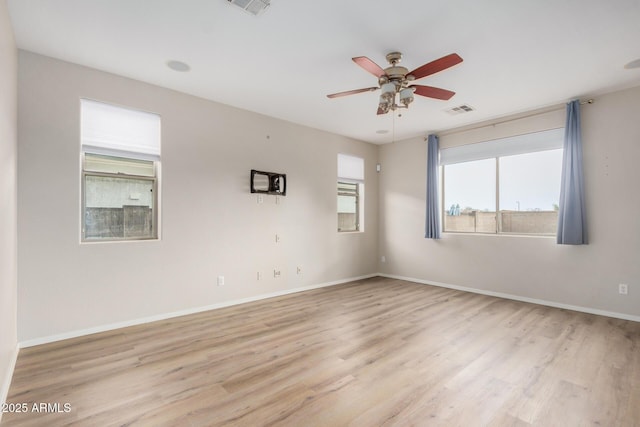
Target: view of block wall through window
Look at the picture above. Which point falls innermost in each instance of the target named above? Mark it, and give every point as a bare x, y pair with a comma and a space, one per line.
347, 206
504, 186
350, 193
117, 207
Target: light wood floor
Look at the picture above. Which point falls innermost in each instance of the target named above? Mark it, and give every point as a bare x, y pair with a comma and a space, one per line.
376, 352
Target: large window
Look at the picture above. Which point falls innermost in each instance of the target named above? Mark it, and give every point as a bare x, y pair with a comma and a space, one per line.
511, 185
350, 193
120, 164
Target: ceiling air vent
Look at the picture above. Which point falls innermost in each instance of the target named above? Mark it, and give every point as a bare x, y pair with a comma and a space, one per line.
460, 109
254, 7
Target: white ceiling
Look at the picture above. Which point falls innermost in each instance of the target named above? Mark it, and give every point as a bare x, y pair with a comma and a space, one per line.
518, 55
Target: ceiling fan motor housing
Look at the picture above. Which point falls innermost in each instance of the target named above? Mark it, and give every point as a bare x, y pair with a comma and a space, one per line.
396, 72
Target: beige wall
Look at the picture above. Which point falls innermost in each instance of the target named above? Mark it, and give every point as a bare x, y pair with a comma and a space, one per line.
8, 242
529, 267
211, 224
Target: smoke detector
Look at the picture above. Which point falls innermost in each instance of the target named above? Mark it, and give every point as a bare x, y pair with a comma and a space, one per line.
254, 7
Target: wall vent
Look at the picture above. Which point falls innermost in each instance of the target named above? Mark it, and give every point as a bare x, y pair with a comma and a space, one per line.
254, 7
460, 109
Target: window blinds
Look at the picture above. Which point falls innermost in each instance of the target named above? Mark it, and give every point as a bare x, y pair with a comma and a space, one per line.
350, 168
121, 132
538, 141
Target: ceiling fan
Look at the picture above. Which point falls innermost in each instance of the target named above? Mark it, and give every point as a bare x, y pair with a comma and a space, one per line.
395, 80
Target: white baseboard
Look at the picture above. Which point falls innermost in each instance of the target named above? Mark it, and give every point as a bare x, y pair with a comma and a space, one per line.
6, 383
517, 298
164, 316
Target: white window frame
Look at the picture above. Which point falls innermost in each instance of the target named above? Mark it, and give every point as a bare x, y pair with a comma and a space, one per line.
351, 171
495, 149
154, 185
356, 195
129, 134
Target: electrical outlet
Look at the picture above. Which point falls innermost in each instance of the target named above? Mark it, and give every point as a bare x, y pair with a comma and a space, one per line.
258, 276
220, 280
260, 198
383, 258
276, 273
623, 289
299, 270
277, 238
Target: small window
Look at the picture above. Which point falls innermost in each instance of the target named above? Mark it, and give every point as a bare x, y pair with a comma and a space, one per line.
348, 207
511, 185
120, 163
350, 193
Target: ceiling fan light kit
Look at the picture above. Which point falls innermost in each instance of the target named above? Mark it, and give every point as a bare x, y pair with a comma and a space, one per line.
394, 81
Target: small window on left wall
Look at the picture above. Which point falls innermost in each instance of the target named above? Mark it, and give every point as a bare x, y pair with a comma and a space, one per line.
350, 193
120, 173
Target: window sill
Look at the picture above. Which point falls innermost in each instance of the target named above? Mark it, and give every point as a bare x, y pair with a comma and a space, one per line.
537, 236
94, 242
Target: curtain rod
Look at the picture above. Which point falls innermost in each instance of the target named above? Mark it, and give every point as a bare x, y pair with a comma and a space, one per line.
454, 131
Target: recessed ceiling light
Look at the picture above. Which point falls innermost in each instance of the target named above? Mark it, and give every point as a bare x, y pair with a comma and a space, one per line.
633, 64
382, 131
178, 66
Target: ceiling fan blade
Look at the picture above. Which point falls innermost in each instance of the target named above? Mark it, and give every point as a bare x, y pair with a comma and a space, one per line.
436, 66
433, 92
369, 65
352, 92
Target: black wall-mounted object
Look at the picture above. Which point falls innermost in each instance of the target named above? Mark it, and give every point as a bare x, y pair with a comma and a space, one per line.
268, 183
